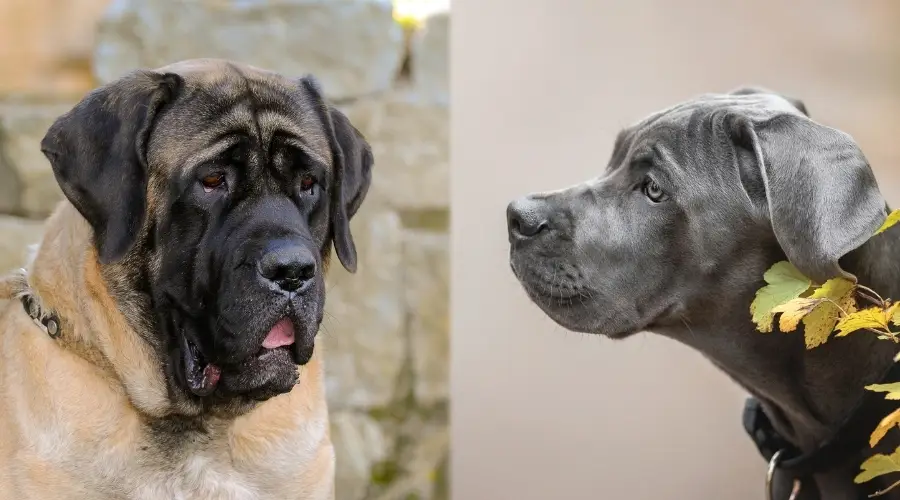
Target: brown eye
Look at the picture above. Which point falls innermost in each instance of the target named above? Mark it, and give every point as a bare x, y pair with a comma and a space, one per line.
212, 182
307, 182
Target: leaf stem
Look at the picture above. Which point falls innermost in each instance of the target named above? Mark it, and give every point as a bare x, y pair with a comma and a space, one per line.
886, 490
873, 292
871, 299
886, 333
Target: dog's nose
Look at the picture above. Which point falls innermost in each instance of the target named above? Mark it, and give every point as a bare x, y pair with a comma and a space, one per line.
524, 218
288, 265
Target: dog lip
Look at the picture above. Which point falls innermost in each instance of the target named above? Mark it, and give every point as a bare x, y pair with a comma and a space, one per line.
200, 376
539, 290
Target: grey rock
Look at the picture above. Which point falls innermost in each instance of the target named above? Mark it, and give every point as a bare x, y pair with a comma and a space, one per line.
27, 184
410, 142
354, 47
359, 443
16, 237
430, 59
427, 260
363, 332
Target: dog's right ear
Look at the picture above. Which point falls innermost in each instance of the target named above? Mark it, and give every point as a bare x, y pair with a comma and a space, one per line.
98, 154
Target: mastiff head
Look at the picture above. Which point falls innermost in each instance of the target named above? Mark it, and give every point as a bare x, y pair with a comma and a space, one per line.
215, 192
696, 202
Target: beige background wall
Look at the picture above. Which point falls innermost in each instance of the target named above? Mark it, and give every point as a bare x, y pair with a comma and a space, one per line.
540, 88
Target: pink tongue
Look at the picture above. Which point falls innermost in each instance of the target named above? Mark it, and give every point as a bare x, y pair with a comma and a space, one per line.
280, 335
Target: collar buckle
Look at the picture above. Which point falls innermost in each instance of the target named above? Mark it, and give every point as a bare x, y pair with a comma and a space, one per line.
46, 321
770, 474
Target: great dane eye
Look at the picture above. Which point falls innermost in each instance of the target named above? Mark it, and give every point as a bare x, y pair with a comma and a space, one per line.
212, 182
307, 182
653, 191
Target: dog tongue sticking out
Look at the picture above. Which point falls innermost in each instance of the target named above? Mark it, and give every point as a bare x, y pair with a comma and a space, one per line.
202, 377
281, 334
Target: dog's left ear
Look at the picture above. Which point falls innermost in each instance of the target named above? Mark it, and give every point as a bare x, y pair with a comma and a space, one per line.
753, 90
822, 196
353, 161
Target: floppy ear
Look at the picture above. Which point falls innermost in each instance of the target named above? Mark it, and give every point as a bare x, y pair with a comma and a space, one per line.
98, 154
752, 90
822, 197
353, 160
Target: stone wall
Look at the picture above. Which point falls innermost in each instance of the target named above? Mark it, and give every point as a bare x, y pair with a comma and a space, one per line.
386, 328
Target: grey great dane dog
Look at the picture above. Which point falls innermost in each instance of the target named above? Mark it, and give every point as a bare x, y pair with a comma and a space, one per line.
696, 202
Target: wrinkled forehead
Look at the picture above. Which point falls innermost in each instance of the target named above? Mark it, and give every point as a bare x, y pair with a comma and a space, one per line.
221, 102
756, 107
692, 118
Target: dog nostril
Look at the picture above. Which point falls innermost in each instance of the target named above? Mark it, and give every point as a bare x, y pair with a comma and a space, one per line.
289, 267
291, 277
515, 226
524, 219
528, 228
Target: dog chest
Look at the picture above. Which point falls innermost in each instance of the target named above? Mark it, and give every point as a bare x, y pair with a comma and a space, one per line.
295, 462
228, 467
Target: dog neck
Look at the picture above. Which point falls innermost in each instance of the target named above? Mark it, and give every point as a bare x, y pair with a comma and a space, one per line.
66, 278
807, 393
833, 376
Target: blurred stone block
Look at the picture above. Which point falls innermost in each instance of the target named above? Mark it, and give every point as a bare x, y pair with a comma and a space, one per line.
46, 46
359, 443
430, 59
427, 260
27, 184
364, 330
422, 468
353, 47
16, 236
410, 141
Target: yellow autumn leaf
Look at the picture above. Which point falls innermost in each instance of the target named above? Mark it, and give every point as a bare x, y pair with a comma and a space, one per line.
892, 219
894, 313
793, 311
819, 324
873, 317
784, 283
892, 390
886, 424
878, 465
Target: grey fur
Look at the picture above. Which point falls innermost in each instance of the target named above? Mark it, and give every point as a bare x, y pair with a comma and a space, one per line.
750, 179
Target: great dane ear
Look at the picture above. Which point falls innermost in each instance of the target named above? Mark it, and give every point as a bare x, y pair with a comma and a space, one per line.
353, 161
97, 151
822, 197
753, 90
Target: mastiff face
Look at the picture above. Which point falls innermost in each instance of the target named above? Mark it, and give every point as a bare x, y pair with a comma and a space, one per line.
695, 203
215, 192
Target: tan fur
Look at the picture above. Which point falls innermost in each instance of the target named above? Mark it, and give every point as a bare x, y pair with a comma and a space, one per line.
75, 411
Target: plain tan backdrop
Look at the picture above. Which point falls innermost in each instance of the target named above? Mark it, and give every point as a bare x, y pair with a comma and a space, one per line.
540, 88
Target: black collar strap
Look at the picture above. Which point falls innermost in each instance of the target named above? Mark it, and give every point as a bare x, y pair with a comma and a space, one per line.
851, 438
45, 320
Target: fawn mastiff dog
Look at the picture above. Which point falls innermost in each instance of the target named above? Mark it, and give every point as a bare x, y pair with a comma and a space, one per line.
695, 204
165, 349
